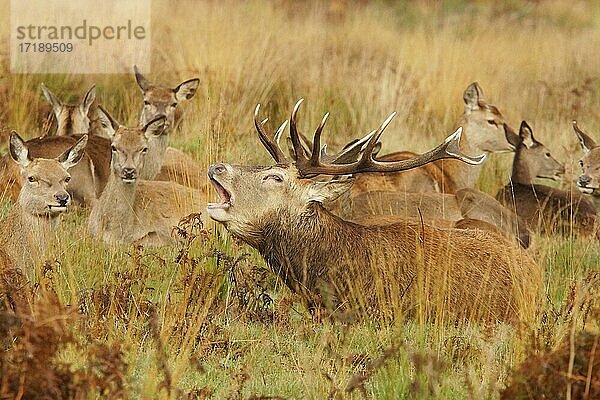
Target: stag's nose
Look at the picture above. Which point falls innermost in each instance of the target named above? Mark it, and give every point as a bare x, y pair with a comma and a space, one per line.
62, 199
217, 169
583, 180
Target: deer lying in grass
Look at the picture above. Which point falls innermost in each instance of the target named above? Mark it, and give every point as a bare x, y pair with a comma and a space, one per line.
467, 209
340, 264
27, 232
169, 163
134, 210
485, 130
545, 209
589, 180
90, 175
72, 119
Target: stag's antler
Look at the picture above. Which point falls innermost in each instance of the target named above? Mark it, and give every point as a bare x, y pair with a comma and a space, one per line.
314, 165
272, 145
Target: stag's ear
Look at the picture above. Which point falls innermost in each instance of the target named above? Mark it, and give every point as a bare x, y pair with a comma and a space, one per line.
56, 104
329, 191
73, 155
89, 98
18, 150
109, 124
587, 143
187, 89
526, 135
472, 95
155, 128
142, 82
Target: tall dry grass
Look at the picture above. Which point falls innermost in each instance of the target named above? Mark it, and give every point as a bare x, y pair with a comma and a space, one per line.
205, 319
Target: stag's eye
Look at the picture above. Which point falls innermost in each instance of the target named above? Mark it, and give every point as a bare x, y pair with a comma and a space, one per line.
492, 122
31, 179
273, 177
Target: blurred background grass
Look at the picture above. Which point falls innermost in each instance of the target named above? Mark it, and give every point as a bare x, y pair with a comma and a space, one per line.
535, 60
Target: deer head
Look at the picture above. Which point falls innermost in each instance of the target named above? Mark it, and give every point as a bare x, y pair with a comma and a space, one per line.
44, 189
589, 181
161, 100
130, 145
251, 196
487, 128
71, 118
533, 159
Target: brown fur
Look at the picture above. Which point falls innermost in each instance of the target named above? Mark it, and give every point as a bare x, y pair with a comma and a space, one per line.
340, 264
431, 207
139, 211
88, 177
448, 176
545, 209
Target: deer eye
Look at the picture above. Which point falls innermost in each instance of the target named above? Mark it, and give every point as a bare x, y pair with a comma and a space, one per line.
113, 148
548, 155
274, 177
31, 179
145, 150
581, 163
492, 122
67, 179
146, 103
174, 105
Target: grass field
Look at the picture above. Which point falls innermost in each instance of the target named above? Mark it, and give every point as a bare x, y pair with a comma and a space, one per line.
206, 319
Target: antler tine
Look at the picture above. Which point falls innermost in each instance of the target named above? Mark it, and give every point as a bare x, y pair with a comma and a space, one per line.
300, 156
576, 128
315, 157
368, 151
271, 146
452, 148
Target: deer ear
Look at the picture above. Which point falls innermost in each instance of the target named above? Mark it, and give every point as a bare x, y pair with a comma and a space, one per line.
187, 89
142, 82
472, 95
18, 150
329, 191
526, 135
52, 99
72, 156
155, 128
587, 143
109, 124
89, 98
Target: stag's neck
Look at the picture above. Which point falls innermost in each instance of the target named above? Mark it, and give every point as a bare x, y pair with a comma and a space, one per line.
155, 156
304, 248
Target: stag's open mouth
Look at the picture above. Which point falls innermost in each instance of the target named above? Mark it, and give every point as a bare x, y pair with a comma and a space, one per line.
223, 193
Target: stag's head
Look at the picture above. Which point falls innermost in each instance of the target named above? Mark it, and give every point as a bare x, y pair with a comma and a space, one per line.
487, 128
162, 101
253, 197
45, 181
534, 157
130, 145
589, 181
71, 118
